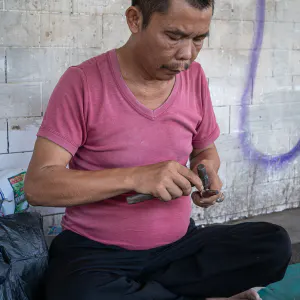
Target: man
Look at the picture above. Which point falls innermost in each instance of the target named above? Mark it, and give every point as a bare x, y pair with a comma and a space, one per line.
126, 122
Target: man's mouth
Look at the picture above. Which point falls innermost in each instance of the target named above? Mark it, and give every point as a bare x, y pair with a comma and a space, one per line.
177, 69
174, 71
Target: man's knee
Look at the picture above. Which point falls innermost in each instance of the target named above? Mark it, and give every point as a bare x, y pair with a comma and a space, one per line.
280, 243
279, 247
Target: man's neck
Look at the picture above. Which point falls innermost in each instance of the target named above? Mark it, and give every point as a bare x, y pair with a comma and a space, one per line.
133, 72
150, 92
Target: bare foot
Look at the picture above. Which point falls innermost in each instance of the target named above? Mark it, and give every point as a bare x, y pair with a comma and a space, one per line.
248, 295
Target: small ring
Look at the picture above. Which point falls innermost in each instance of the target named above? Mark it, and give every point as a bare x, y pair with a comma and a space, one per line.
221, 199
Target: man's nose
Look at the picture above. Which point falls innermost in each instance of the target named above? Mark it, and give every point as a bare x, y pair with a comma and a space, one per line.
185, 53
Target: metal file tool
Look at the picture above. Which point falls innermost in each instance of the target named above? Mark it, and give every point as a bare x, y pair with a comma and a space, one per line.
206, 193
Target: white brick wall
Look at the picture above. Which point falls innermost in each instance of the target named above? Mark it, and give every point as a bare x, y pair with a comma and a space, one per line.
242, 10
60, 6
20, 100
36, 64
286, 62
3, 136
296, 41
2, 65
101, 7
273, 142
268, 117
222, 115
115, 31
24, 64
226, 90
296, 83
229, 148
275, 30
231, 34
19, 28
74, 31
287, 10
39, 40
271, 90
22, 133
266, 63
221, 65
15, 160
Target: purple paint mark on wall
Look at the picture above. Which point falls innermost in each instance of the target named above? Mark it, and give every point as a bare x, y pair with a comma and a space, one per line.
248, 149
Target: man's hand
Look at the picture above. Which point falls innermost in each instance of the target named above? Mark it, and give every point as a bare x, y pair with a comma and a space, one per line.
166, 180
215, 184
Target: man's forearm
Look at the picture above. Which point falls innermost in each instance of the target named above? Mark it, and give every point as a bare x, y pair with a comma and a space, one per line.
209, 157
57, 186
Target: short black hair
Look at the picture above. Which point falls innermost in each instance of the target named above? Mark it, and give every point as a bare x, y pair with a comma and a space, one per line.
148, 7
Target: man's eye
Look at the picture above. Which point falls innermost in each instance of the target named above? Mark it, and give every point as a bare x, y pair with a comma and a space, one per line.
199, 40
173, 37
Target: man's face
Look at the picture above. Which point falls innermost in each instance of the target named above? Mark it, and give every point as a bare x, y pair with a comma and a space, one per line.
171, 42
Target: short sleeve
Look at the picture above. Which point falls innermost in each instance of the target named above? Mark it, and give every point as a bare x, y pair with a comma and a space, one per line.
64, 121
208, 129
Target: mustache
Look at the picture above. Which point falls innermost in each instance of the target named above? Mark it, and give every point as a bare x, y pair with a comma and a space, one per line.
176, 66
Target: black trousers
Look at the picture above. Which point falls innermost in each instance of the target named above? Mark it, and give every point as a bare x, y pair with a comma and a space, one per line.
216, 261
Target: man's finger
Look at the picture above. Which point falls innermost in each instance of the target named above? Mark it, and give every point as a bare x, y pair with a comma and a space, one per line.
183, 184
209, 193
199, 200
216, 184
191, 177
203, 205
164, 195
206, 205
174, 191
210, 199
196, 196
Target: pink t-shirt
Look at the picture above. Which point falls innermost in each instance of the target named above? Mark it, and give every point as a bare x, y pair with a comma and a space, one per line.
94, 115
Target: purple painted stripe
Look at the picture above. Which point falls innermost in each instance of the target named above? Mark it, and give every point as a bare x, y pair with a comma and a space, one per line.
249, 150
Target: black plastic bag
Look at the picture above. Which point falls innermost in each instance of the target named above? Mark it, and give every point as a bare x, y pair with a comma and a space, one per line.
23, 257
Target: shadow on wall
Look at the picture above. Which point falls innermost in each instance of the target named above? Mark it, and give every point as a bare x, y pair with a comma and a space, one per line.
249, 149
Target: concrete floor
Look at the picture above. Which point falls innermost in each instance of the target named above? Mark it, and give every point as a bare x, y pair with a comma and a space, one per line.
290, 220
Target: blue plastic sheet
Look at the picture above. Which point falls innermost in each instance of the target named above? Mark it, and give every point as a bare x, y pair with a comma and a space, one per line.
286, 289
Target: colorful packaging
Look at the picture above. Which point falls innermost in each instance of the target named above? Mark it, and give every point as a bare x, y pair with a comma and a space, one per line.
12, 193
17, 184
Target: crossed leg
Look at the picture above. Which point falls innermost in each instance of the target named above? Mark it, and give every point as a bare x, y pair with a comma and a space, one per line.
216, 262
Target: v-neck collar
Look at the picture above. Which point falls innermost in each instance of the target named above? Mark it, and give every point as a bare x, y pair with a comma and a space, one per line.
129, 96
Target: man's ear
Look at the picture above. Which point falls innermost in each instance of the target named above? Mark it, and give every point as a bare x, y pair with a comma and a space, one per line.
134, 19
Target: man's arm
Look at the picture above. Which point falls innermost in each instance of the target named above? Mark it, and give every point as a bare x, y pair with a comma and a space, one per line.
209, 157
49, 183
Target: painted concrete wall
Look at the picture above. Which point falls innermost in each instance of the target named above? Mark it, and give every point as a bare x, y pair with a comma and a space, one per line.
39, 39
